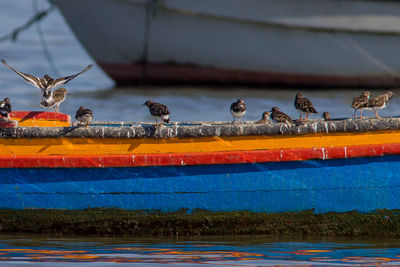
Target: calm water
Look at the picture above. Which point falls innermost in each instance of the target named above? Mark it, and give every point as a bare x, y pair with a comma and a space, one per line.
228, 251
95, 90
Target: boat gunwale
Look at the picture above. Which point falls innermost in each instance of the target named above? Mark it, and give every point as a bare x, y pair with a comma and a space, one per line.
212, 129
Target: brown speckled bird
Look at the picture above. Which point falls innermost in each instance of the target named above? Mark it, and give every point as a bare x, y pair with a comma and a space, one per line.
158, 111
359, 102
53, 99
303, 105
326, 116
84, 115
264, 118
280, 117
238, 109
5, 108
379, 102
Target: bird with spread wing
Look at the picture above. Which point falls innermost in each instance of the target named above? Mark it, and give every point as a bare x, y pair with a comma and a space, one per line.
50, 99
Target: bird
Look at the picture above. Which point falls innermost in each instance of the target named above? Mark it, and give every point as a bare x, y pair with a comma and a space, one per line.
238, 109
53, 99
359, 102
264, 118
304, 105
158, 111
379, 102
166, 119
326, 116
5, 108
84, 115
46, 83
278, 116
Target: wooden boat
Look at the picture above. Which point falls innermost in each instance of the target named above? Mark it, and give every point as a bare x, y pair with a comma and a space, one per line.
317, 43
339, 165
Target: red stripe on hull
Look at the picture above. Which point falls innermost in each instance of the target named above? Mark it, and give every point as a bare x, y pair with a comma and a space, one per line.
42, 115
177, 159
187, 74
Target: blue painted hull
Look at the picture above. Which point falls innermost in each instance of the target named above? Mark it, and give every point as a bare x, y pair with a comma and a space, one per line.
362, 184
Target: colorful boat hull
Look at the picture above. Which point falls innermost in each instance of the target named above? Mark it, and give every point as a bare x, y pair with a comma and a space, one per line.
325, 166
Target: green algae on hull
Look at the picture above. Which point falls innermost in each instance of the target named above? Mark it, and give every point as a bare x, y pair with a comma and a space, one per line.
118, 222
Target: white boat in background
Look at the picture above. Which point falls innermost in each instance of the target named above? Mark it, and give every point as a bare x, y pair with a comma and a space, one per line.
315, 43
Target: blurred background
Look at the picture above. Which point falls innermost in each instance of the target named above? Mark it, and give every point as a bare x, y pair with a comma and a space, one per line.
198, 57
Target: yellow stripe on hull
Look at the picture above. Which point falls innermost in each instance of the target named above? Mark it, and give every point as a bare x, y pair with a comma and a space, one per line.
41, 123
114, 146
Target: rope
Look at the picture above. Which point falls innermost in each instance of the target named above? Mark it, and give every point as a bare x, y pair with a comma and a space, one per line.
150, 13
37, 17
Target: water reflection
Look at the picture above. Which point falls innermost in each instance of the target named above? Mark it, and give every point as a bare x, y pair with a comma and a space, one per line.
246, 251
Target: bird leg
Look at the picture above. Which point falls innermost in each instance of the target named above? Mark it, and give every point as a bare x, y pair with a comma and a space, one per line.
300, 117
376, 114
307, 116
354, 114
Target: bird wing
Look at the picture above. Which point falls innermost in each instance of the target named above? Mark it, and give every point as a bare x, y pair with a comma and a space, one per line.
59, 94
27, 77
309, 106
359, 101
64, 80
305, 105
377, 101
157, 109
282, 117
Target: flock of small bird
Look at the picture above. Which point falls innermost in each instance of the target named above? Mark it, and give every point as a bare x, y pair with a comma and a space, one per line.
53, 98
305, 107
